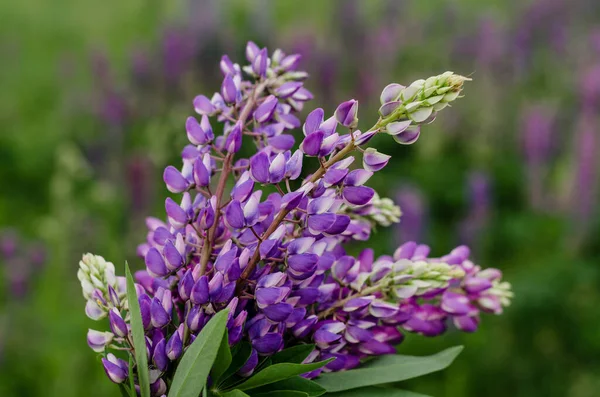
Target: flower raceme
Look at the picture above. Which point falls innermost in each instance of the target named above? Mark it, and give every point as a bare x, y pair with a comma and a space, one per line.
272, 248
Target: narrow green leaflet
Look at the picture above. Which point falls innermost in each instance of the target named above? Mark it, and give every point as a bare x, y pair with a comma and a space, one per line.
223, 359
298, 383
132, 392
376, 392
235, 393
124, 391
137, 332
242, 353
281, 393
294, 354
388, 369
277, 372
198, 359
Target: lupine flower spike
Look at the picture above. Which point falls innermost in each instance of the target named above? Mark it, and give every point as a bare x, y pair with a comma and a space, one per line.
272, 248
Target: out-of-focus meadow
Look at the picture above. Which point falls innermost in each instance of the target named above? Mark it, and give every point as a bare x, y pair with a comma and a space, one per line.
93, 102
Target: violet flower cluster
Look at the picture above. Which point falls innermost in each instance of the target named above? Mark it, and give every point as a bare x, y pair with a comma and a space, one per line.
266, 239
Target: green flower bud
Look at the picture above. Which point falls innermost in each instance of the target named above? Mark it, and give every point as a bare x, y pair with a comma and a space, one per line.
418, 103
95, 273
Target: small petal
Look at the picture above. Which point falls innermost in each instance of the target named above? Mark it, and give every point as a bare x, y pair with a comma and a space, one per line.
266, 109
203, 105
346, 114
358, 195
312, 143
259, 167
175, 182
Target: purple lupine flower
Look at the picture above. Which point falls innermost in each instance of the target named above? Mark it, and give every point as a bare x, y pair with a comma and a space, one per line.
115, 368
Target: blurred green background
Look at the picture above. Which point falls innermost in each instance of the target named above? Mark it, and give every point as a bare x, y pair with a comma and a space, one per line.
93, 101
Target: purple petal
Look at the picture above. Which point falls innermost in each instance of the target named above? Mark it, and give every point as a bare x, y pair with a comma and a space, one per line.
195, 133
303, 262
288, 89
277, 169
155, 263
159, 357
397, 127
339, 226
388, 108
321, 222
199, 294
346, 113
201, 174
358, 195
266, 109
234, 215
177, 215
268, 344
313, 121
282, 142
203, 105
312, 143
357, 177
391, 93
278, 312
228, 89
374, 347
259, 167
175, 182
382, 309
174, 260
374, 161
259, 65
409, 136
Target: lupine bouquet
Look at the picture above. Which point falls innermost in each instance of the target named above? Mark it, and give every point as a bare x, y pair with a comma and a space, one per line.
248, 288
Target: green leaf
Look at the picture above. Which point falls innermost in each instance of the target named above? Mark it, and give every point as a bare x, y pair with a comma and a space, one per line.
241, 355
312, 389
277, 372
294, 354
132, 392
376, 392
137, 333
223, 359
198, 359
124, 391
281, 393
235, 393
388, 369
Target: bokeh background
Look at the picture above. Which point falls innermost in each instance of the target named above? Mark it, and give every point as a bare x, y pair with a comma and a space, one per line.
93, 100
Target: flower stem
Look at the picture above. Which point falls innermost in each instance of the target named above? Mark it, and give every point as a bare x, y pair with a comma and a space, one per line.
283, 212
209, 240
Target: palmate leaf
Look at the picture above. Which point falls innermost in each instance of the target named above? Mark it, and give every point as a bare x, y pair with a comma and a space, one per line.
295, 354
387, 369
241, 354
235, 393
223, 359
197, 361
276, 372
374, 391
137, 333
298, 383
281, 393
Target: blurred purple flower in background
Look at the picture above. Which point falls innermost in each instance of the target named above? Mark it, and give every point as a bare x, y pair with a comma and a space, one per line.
20, 263
479, 199
537, 134
413, 222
